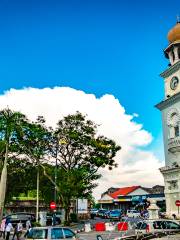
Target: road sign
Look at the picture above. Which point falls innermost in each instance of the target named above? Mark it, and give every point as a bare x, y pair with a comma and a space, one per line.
52, 205
177, 203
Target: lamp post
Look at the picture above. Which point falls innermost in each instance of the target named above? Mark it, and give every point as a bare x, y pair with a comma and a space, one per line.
55, 174
3, 182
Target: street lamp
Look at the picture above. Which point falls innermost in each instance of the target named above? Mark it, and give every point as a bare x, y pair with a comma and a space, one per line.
3, 183
55, 174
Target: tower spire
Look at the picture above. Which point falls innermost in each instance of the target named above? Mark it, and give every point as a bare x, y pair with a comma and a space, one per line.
178, 18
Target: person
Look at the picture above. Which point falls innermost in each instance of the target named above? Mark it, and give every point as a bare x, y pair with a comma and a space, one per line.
28, 226
18, 230
2, 228
8, 228
53, 219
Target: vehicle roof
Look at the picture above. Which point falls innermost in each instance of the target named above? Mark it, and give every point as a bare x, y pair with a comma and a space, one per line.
158, 220
49, 227
18, 213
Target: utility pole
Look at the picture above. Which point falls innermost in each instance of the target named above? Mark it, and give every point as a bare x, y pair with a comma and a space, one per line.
37, 197
55, 174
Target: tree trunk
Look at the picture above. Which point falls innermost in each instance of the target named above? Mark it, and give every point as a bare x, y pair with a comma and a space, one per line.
67, 216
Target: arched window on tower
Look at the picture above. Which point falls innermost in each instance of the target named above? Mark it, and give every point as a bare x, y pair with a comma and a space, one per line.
176, 131
173, 56
174, 125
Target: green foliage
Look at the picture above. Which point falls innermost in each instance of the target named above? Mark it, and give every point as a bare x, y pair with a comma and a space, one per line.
79, 153
36, 224
97, 205
31, 147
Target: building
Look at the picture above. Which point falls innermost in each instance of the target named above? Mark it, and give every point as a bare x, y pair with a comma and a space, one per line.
130, 197
170, 109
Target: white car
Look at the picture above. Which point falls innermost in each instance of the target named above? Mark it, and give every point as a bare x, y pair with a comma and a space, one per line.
155, 226
133, 213
51, 233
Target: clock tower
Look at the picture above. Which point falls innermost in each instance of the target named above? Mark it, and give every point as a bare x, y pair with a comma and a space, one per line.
170, 109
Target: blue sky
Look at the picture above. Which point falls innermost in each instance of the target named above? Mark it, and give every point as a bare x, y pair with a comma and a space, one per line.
97, 46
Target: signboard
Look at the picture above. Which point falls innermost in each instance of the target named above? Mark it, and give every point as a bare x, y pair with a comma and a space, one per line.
52, 205
177, 203
82, 206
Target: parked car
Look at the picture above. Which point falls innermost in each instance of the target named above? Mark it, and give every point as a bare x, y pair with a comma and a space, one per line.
154, 226
48, 233
162, 215
21, 216
145, 214
101, 213
49, 219
93, 212
115, 214
106, 214
133, 213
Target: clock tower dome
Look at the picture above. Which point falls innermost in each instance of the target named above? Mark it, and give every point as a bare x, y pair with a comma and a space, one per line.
170, 109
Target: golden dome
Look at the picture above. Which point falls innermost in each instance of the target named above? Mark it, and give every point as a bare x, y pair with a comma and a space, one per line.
174, 33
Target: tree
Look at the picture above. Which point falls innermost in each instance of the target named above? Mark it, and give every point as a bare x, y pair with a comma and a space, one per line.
79, 153
11, 125
35, 146
20, 178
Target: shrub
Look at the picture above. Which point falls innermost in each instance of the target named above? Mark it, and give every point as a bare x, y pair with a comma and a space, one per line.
73, 217
36, 224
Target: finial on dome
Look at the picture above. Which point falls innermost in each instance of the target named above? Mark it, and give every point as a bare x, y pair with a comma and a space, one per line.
178, 19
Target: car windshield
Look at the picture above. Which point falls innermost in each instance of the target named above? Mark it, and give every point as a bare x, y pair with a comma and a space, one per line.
141, 225
37, 233
115, 212
102, 211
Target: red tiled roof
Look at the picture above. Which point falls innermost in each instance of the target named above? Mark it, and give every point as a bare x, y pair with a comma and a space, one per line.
123, 191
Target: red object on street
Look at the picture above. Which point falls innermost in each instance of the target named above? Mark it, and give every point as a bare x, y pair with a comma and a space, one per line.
100, 226
52, 205
147, 228
177, 203
122, 226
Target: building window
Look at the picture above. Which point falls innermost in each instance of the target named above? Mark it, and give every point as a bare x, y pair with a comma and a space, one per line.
179, 53
176, 130
173, 56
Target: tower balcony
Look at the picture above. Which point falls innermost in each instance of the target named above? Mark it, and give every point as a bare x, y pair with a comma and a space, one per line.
174, 145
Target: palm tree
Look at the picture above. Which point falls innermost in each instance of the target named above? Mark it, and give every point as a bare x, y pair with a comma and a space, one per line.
11, 130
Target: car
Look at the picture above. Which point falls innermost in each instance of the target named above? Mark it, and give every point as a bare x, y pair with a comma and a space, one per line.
101, 213
49, 219
115, 214
162, 215
93, 212
159, 225
106, 214
145, 214
20, 216
132, 213
48, 233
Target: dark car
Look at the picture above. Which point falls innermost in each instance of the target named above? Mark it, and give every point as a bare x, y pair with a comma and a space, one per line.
21, 216
52, 219
106, 214
101, 213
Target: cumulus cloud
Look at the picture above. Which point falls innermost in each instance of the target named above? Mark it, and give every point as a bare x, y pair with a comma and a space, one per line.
135, 165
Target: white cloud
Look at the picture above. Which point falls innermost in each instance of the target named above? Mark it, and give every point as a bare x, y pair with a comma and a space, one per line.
136, 166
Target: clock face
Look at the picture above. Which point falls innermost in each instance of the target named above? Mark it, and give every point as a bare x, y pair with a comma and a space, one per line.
174, 83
